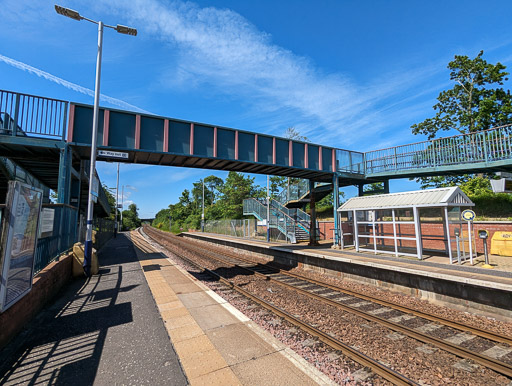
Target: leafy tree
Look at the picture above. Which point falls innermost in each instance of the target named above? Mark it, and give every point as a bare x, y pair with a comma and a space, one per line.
277, 183
236, 188
213, 186
112, 203
475, 102
292, 133
131, 218
476, 186
161, 220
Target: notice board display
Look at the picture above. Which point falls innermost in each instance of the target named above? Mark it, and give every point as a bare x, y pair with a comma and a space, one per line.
18, 242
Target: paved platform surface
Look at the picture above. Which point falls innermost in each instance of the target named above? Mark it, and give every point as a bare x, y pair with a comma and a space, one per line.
433, 267
104, 331
144, 320
217, 345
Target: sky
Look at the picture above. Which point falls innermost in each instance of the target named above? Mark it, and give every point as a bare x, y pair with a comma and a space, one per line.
344, 73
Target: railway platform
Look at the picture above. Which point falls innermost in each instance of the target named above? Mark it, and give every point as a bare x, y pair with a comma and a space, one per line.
145, 320
463, 287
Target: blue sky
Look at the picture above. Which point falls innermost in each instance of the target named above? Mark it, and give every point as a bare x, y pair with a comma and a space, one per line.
350, 74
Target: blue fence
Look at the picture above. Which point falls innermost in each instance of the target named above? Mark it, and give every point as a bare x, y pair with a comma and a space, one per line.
61, 237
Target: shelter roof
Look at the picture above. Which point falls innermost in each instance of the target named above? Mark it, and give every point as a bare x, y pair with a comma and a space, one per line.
419, 198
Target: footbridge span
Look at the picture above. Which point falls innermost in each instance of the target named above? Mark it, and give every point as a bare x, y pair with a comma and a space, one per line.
36, 131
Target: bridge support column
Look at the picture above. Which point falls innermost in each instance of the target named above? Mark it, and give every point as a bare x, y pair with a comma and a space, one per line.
386, 187
336, 204
64, 186
360, 190
312, 225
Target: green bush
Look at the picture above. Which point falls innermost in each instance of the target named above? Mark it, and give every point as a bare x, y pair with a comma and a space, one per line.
493, 205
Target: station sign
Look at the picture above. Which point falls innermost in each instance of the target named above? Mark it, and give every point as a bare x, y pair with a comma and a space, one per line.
468, 215
112, 154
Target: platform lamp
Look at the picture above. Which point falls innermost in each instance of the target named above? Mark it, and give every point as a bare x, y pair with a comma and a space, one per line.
123, 30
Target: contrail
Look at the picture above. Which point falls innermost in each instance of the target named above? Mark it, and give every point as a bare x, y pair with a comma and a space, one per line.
69, 85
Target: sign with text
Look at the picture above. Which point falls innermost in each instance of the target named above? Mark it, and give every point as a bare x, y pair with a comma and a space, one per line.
112, 154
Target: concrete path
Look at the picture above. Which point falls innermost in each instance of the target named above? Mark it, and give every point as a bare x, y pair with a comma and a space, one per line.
103, 331
217, 345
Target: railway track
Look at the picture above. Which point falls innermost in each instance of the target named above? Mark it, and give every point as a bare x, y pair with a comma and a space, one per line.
378, 368
339, 297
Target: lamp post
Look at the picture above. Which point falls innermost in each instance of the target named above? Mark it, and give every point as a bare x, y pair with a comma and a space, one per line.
268, 208
202, 215
117, 200
124, 30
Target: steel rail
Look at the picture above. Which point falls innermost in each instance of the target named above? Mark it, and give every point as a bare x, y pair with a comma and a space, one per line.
457, 325
463, 327
378, 368
462, 352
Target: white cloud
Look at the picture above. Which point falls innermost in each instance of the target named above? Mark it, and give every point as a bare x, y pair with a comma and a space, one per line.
221, 48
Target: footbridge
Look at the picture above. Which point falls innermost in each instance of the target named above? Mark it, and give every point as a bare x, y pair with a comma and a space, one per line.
167, 141
51, 140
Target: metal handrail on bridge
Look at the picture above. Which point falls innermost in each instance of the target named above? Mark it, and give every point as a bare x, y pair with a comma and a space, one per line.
24, 114
484, 146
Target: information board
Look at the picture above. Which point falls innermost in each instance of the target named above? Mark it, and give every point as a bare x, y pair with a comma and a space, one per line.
18, 242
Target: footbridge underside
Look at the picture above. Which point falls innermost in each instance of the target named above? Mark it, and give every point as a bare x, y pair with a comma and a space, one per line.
165, 141
39, 128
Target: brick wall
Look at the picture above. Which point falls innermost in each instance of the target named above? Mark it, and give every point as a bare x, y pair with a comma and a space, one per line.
45, 285
433, 237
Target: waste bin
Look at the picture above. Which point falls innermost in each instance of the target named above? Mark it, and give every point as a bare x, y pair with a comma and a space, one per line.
501, 244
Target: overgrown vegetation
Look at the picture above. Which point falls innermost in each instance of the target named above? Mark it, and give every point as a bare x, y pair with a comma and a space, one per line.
488, 205
222, 199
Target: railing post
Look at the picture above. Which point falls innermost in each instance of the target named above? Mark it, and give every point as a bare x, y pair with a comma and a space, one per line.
434, 152
16, 114
65, 120
485, 147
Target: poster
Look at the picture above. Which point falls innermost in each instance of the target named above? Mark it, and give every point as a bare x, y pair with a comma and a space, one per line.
18, 242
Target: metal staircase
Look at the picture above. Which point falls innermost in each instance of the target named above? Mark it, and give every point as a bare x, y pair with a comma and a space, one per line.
296, 195
294, 224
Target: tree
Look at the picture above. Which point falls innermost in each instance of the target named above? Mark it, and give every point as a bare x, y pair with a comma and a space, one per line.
292, 133
111, 202
236, 188
131, 218
277, 183
477, 186
474, 103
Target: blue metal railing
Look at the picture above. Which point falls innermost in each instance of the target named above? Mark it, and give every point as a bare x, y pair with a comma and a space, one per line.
62, 237
281, 218
23, 114
482, 147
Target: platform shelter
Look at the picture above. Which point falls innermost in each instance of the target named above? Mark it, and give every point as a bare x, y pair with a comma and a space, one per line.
409, 224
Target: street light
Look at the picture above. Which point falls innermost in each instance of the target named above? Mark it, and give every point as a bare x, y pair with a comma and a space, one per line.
124, 30
202, 214
117, 202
